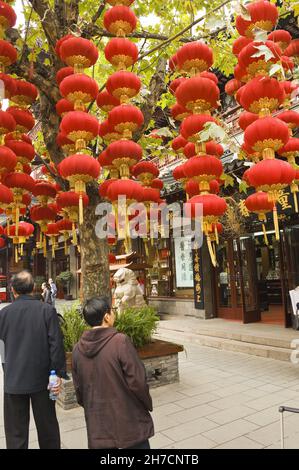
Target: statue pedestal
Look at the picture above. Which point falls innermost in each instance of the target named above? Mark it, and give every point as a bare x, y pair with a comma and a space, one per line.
160, 359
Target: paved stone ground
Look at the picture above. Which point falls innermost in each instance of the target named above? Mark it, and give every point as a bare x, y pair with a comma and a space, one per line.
224, 400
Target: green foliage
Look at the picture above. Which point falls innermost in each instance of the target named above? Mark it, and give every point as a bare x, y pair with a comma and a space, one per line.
64, 277
73, 326
139, 323
38, 280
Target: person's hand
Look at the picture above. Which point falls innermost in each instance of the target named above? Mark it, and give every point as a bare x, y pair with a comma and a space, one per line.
57, 388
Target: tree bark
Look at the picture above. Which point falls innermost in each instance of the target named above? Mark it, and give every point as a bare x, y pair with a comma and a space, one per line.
94, 253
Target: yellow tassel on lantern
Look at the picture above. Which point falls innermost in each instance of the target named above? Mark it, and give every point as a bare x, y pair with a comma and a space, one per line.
276, 224
16, 255
146, 248
21, 250
74, 234
211, 251
53, 250
45, 246
17, 220
216, 234
295, 201
265, 235
80, 210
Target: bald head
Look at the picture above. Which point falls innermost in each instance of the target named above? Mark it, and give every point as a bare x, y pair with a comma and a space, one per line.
22, 283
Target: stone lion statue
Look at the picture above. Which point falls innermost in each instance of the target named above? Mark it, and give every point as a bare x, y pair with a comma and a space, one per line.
127, 292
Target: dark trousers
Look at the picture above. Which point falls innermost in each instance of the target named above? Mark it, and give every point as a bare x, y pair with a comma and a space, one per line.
17, 417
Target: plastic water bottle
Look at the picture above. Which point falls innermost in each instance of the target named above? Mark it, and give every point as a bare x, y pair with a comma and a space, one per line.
52, 382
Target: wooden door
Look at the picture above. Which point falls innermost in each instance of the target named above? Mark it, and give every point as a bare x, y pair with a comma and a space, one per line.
249, 279
289, 267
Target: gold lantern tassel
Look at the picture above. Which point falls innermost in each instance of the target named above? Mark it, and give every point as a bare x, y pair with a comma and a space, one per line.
16, 255
17, 220
295, 202
80, 210
212, 255
265, 235
65, 244
45, 246
53, 249
146, 248
21, 249
276, 224
8, 226
74, 234
216, 234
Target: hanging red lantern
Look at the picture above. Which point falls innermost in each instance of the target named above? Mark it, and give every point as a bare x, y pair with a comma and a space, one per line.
9, 85
42, 215
291, 118
78, 53
106, 162
146, 172
179, 112
68, 203
263, 14
245, 119
63, 73
192, 188
7, 122
25, 93
66, 144
25, 152
8, 17
63, 107
239, 44
259, 204
8, 160
178, 144
262, 95
194, 57
126, 3
123, 154
19, 235
125, 187
53, 233
258, 65
59, 43
281, 37
8, 54
210, 76
157, 183
107, 102
241, 74
175, 84
121, 53
126, 119
293, 49
123, 85
6, 196
103, 188
266, 135
108, 132
79, 127
179, 174
232, 86
192, 125
23, 118
290, 150
203, 169
65, 227
79, 89
44, 191
198, 95
120, 21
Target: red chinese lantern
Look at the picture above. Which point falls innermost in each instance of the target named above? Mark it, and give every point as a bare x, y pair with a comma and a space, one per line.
258, 65
146, 172
178, 144
120, 21
291, 118
262, 95
69, 203
239, 44
25, 152
65, 227
290, 150
175, 84
263, 14
66, 144
63, 73
293, 49
210, 76
198, 95
245, 119
79, 169
53, 233
78, 53
6, 196
123, 154
194, 57
8, 160
8, 85
19, 234
107, 102
281, 37
23, 118
42, 215
79, 127
25, 93
179, 112
7, 122
157, 183
63, 107
123, 85
44, 191
121, 53
79, 89
108, 132
126, 3
232, 86
8, 54
241, 74
60, 41
179, 174
103, 188
266, 135
126, 119
203, 169
8, 17
193, 125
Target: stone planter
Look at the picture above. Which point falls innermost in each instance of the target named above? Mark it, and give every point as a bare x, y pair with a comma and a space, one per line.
160, 359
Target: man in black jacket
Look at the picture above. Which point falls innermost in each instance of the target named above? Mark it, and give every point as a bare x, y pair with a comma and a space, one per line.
33, 344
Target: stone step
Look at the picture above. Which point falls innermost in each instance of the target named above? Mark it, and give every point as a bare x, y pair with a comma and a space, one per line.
267, 351
246, 337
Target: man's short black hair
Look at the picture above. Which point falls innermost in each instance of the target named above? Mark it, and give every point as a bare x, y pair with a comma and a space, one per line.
95, 309
23, 282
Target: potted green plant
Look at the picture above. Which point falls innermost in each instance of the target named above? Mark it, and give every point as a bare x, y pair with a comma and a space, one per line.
64, 279
38, 281
139, 323
72, 327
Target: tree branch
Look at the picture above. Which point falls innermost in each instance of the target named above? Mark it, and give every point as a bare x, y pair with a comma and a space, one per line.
48, 20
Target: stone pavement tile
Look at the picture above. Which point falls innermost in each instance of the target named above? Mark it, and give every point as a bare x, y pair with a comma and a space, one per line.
2, 443
230, 414
168, 408
2, 433
193, 413
240, 443
76, 439
193, 391
269, 388
255, 393
159, 441
270, 434
163, 422
164, 398
262, 418
72, 424
232, 389
189, 429
233, 400
266, 401
230, 431
201, 399
195, 442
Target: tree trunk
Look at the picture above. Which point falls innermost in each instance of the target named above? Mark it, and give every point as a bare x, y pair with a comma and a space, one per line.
94, 254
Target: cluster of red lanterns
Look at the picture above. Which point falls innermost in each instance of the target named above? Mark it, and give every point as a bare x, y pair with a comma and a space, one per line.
261, 93
129, 174
197, 96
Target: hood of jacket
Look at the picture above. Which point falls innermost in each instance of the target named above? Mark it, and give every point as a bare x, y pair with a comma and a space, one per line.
92, 341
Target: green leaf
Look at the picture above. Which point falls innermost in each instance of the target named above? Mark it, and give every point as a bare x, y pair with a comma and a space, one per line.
243, 186
212, 131
260, 35
263, 51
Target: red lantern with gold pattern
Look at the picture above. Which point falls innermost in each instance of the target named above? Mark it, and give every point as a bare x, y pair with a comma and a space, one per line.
198, 95
7, 122
23, 118
8, 159
232, 86
126, 119
120, 21
63, 73
8, 54
263, 14
245, 119
63, 107
121, 53
262, 95
78, 125
194, 57
146, 172
281, 37
266, 135
78, 53
258, 65
79, 89
239, 44
178, 144
107, 102
179, 112
25, 93
123, 154
108, 132
123, 85
192, 125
